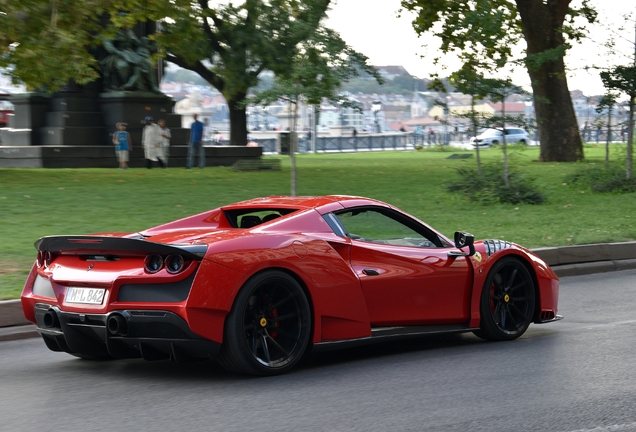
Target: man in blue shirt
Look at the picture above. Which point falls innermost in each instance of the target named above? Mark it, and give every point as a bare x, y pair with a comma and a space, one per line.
196, 143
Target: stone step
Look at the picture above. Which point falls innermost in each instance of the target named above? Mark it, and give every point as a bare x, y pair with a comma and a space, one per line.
73, 135
74, 119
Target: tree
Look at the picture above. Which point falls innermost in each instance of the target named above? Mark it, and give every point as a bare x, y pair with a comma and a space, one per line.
230, 45
321, 64
44, 44
48, 42
623, 79
499, 90
490, 28
608, 102
467, 80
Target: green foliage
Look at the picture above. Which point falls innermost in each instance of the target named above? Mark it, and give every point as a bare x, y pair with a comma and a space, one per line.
321, 64
46, 43
482, 34
600, 179
486, 29
608, 101
621, 79
488, 186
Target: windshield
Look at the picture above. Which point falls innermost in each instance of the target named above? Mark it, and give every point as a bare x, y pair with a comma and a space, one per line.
491, 132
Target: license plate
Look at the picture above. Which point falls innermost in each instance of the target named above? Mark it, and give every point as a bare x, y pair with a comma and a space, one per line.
85, 295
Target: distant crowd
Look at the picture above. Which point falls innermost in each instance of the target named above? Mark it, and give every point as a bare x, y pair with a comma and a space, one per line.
155, 140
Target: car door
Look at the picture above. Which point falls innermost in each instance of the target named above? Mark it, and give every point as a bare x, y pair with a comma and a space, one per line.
406, 274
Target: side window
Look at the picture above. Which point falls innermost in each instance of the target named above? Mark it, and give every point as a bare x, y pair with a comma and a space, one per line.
384, 227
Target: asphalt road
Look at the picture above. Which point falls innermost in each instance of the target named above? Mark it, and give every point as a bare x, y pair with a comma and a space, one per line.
574, 375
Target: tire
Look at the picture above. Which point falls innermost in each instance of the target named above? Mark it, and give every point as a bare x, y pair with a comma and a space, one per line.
269, 327
523, 142
507, 301
494, 143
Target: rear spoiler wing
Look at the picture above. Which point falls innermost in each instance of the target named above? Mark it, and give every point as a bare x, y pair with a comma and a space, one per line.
98, 245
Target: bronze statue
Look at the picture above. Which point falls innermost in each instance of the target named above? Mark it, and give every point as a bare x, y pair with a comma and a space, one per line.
127, 66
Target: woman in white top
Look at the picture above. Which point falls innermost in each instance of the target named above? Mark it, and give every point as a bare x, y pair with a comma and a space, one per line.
152, 142
165, 140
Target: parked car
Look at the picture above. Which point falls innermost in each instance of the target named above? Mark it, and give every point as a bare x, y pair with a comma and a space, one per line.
493, 137
6, 108
258, 283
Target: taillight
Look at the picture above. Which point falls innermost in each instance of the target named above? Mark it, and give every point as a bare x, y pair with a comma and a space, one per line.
174, 263
153, 263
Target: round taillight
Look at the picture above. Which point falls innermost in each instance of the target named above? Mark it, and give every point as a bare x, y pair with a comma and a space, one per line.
153, 263
48, 258
40, 259
174, 263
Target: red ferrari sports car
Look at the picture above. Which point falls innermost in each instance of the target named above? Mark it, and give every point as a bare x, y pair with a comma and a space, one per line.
258, 283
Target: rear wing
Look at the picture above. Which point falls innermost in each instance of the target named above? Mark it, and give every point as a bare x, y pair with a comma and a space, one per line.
102, 245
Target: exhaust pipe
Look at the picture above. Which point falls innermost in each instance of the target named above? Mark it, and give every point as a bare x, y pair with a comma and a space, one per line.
51, 320
117, 325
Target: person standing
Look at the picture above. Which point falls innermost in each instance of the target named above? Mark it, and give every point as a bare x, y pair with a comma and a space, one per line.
121, 140
196, 143
165, 140
151, 139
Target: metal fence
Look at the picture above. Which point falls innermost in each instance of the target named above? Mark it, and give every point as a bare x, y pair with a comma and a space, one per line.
343, 144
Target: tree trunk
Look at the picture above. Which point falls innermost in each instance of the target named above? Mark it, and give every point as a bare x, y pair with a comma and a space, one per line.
505, 144
609, 135
293, 145
630, 138
238, 120
474, 121
558, 128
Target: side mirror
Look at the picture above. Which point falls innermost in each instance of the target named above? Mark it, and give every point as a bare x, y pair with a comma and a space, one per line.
463, 239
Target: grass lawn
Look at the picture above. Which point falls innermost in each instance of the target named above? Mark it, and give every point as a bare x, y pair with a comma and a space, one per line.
40, 202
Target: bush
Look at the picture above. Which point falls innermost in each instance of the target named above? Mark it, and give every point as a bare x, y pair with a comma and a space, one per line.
602, 180
489, 187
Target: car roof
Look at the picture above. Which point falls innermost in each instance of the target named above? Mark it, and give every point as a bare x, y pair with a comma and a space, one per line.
304, 202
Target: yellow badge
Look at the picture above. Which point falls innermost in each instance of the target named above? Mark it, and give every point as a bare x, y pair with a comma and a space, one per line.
477, 257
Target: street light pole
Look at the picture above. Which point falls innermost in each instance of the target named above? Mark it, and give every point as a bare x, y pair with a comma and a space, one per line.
376, 106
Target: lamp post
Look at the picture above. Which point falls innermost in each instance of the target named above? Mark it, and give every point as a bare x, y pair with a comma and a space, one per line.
376, 106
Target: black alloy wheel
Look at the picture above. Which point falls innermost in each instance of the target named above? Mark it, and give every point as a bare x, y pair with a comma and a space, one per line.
268, 330
507, 301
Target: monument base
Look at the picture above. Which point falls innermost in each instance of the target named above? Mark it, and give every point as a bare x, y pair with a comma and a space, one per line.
133, 107
104, 156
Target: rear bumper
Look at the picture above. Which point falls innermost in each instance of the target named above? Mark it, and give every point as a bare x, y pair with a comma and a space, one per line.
151, 335
549, 320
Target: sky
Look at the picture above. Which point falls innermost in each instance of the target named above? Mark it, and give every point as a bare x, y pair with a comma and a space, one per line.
373, 28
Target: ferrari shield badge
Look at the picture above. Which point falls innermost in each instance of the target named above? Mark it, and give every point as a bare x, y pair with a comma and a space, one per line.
477, 257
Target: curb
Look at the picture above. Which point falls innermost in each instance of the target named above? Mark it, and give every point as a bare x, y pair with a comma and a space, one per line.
565, 261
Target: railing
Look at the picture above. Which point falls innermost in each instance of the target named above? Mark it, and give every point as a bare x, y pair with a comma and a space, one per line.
348, 144
343, 144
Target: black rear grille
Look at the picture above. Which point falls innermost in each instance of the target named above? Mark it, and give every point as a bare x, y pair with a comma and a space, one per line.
159, 293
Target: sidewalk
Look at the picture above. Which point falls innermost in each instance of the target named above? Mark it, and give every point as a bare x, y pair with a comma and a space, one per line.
565, 261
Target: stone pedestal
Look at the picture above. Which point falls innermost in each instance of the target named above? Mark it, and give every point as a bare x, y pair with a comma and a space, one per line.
84, 118
104, 156
133, 107
28, 118
73, 118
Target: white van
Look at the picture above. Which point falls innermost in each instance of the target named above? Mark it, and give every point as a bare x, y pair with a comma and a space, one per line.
493, 137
